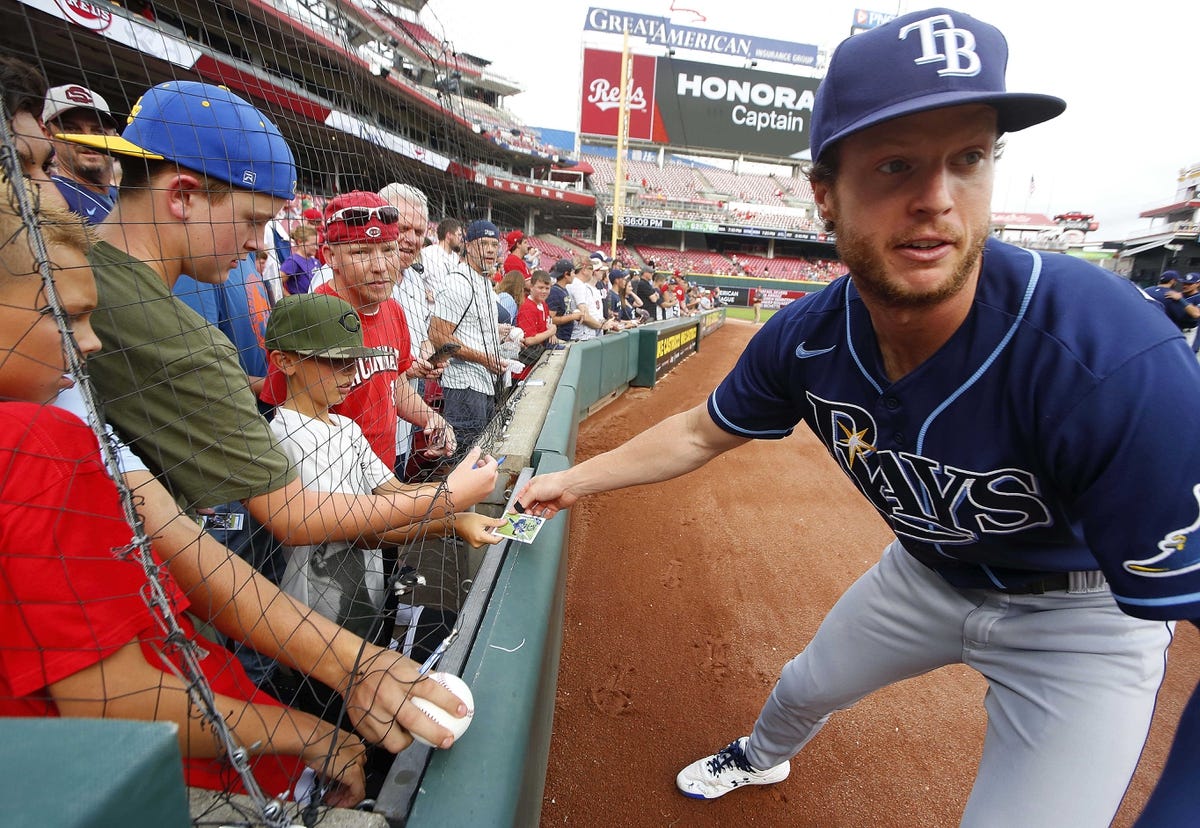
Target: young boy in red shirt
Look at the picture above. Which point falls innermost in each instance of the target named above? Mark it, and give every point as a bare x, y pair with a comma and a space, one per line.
533, 317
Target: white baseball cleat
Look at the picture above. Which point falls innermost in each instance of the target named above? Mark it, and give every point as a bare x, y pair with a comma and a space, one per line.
726, 770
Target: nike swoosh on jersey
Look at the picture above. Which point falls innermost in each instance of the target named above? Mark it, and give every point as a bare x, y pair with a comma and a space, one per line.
805, 353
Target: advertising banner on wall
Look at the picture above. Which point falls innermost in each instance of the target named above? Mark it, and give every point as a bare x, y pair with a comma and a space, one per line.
738, 297
865, 20
710, 321
692, 226
704, 106
660, 31
673, 347
774, 298
600, 111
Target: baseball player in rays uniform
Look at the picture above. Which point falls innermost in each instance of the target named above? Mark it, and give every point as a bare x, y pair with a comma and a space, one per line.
1007, 433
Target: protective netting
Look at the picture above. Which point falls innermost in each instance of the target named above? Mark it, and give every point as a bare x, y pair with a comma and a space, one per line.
284, 639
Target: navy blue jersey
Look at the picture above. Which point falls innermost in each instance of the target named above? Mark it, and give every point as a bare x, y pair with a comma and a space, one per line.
1158, 293
1174, 308
93, 207
560, 303
1042, 437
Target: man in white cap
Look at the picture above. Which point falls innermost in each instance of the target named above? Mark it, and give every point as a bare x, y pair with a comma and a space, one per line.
84, 174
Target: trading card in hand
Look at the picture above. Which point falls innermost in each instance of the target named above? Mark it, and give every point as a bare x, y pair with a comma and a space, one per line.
224, 521
522, 528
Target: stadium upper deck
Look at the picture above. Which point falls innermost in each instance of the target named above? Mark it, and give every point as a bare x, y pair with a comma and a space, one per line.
365, 97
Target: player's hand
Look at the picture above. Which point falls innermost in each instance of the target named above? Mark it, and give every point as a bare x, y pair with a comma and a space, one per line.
379, 705
476, 529
338, 758
472, 480
546, 495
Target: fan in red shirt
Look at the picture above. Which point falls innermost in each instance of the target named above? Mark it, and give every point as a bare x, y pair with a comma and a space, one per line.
518, 246
533, 317
361, 232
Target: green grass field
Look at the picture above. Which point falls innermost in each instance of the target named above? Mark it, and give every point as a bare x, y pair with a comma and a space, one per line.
747, 313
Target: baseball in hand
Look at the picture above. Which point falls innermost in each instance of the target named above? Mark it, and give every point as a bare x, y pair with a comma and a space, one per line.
455, 724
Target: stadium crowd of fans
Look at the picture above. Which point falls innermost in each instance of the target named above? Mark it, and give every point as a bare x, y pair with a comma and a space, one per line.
368, 358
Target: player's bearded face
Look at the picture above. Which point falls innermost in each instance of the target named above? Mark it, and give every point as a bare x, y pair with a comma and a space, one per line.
872, 275
912, 204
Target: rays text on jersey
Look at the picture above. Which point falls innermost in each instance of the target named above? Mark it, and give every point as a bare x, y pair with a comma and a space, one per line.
921, 497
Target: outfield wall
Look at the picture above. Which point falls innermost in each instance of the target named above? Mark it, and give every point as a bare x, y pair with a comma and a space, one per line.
495, 775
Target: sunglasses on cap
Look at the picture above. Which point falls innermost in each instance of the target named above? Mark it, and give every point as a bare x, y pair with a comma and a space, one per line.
385, 214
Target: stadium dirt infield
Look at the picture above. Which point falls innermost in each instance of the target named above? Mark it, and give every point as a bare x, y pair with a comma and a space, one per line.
686, 598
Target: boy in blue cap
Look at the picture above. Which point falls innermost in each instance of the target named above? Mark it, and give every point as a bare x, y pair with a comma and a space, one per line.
204, 171
77, 636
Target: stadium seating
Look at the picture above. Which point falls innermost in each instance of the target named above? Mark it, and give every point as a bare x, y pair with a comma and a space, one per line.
695, 262
756, 189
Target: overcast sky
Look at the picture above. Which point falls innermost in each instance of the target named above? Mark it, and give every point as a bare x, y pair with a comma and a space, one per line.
1128, 73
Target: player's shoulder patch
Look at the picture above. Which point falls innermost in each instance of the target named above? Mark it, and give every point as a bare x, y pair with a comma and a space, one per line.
1179, 551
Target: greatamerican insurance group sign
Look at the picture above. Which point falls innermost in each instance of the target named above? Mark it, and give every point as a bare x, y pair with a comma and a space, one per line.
660, 31
705, 106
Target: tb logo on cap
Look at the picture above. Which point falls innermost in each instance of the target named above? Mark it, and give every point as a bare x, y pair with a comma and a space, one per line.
939, 32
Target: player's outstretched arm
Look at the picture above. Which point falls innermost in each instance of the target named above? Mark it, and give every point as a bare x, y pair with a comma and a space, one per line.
692, 436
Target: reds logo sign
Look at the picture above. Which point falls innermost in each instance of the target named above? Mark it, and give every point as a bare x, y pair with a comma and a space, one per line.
607, 96
600, 94
88, 15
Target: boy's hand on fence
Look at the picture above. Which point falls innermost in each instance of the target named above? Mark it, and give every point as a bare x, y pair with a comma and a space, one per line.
379, 702
439, 437
338, 757
476, 529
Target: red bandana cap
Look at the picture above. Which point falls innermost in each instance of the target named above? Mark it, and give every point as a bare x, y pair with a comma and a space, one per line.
360, 216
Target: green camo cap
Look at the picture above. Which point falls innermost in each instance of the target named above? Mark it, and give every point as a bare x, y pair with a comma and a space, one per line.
316, 324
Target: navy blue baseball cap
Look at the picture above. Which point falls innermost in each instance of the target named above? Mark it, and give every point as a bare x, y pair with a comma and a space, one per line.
1168, 274
924, 60
206, 129
481, 229
1189, 278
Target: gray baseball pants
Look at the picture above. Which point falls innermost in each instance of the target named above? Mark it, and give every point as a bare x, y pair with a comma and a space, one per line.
1072, 683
